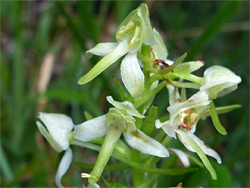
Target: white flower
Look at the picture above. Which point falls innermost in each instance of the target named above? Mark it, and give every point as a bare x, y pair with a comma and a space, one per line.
59, 134
134, 31
126, 112
219, 81
183, 120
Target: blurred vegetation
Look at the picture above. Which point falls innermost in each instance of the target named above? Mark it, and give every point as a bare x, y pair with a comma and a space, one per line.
42, 57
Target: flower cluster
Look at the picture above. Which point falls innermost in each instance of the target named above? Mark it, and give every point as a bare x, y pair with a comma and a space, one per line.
145, 70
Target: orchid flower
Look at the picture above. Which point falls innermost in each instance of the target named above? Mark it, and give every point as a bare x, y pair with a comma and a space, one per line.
121, 120
183, 120
59, 134
125, 112
219, 81
133, 32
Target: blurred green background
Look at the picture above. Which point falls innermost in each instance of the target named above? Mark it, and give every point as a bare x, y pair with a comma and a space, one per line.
42, 58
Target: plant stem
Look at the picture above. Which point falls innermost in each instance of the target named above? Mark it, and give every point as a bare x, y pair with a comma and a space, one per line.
107, 148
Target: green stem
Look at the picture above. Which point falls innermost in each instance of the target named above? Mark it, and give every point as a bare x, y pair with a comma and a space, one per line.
107, 148
138, 175
148, 96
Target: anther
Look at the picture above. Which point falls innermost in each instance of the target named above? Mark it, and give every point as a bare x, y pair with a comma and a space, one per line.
129, 26
136, 34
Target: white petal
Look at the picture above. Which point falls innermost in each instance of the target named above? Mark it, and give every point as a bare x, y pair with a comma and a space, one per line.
46, 134
182, 156
189, 67
102, 49
145, 144
207, 150
222, 78
63, 166
173, 94
132, 75
91, 129
125, 106
59, 127
159, 47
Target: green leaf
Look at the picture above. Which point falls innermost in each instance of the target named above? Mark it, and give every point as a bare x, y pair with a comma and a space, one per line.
88, 115
5, 166
123, 95
149, 122
216, 120
228, 9
201, 154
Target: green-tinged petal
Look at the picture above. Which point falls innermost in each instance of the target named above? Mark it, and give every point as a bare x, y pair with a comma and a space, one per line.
216, 120
195, 147
105, 62
132, 75
114, 114
125, 106
136, 29
102, 49
59, 127
181, 155
91, 129
63, 166
148, 37
219, 81
221, 109
189, 67
159, 47
46, 134
145, 144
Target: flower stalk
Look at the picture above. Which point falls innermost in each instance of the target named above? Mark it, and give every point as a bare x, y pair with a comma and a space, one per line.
113, 135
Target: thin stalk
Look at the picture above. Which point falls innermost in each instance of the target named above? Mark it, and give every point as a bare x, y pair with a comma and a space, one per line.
107, 148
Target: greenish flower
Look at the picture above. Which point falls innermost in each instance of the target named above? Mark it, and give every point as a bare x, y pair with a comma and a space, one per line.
219, 81
133, 32
183, 120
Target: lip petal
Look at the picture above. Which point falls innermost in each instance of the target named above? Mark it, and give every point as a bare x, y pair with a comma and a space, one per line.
63, 166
